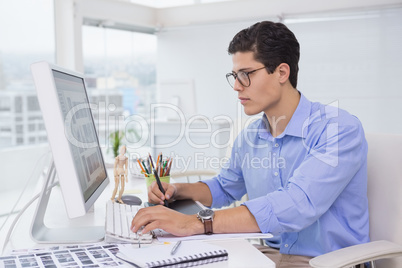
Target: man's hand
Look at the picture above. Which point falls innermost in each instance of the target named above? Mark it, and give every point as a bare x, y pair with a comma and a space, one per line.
160, 217
155, 196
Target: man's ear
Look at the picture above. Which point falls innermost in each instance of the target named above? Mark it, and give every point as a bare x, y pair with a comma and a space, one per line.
284, 72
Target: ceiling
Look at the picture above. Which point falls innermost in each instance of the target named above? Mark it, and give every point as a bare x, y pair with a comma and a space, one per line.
150, 16
173, 3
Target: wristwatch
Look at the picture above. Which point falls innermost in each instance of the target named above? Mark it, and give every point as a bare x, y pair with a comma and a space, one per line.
206, 216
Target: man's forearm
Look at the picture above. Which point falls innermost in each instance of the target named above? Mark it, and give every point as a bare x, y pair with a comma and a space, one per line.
196, 191
235, 220
232, 220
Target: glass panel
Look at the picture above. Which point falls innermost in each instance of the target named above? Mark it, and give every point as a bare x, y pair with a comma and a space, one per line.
120, 67
27, 35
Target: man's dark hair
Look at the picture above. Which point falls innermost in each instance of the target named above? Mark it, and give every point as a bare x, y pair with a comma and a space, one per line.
272, 44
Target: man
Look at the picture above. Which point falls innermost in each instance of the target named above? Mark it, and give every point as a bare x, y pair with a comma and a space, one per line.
310, 194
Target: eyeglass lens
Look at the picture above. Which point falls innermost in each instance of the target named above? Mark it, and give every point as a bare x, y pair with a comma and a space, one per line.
241, 76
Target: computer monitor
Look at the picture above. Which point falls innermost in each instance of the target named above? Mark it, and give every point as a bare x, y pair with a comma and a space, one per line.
77, 155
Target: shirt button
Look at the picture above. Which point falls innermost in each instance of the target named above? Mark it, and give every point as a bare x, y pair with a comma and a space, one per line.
286, 245
276, 173
276, 145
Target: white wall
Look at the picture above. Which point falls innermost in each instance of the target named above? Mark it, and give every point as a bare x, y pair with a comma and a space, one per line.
355, 60
350, 57
200, 53
350, 49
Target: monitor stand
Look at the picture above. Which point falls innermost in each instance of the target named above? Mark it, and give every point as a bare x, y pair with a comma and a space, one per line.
43, 234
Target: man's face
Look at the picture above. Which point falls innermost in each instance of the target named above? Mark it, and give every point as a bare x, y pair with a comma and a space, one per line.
263, 94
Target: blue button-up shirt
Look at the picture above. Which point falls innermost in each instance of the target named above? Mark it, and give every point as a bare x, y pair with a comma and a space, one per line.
307, 186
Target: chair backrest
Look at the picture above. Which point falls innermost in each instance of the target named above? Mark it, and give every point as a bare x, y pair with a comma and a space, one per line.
384, 164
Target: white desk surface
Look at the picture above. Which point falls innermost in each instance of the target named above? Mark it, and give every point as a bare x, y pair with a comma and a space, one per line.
241, 252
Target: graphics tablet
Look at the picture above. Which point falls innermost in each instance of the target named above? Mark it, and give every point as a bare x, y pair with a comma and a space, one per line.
186, 206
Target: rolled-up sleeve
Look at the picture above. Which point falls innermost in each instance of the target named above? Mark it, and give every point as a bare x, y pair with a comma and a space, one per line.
262, 211
218, 195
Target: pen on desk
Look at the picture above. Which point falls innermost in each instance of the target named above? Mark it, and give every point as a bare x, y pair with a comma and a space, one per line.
139, 235
158, 181
174, 249
139, 240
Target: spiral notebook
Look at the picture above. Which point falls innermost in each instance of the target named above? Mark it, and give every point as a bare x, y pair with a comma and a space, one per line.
190, 253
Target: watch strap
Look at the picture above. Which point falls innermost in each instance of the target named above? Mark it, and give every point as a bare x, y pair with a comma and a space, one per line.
208, 226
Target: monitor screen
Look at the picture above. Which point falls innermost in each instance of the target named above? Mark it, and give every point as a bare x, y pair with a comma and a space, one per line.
80, 131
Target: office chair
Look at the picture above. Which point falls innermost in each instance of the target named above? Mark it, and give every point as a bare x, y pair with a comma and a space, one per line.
385, 207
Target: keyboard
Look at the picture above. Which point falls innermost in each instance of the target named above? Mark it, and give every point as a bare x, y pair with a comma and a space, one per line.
118, 223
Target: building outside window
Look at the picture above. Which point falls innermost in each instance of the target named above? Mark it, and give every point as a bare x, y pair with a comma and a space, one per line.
25, 38
120, 67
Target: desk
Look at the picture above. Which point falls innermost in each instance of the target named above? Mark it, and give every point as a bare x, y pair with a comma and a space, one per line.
241, 252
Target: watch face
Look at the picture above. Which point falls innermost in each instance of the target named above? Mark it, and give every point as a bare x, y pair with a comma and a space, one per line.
206, 213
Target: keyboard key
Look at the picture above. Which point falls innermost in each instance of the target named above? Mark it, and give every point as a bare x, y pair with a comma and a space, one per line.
124, 225
118, 223
109, 218
117, 219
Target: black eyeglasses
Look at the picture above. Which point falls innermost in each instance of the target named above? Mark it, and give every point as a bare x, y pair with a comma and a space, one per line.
242, 77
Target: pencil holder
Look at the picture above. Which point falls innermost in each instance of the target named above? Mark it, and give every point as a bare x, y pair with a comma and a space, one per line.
151, 178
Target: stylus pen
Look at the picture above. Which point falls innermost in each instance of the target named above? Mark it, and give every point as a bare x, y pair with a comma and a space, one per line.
174, 249
158, 181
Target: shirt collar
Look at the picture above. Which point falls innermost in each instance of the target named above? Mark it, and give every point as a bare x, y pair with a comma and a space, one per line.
296, 126
263, 128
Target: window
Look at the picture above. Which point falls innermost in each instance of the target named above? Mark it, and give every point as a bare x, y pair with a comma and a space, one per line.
120, 68
27, 35
124, 61
33, 104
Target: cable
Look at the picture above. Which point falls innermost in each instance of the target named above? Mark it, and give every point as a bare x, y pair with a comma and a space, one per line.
20, 214
22, 192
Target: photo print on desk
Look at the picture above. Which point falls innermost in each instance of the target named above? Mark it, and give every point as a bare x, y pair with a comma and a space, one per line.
93, 255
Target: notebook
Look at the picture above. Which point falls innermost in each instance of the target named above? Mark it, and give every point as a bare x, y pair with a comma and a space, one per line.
190, 253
